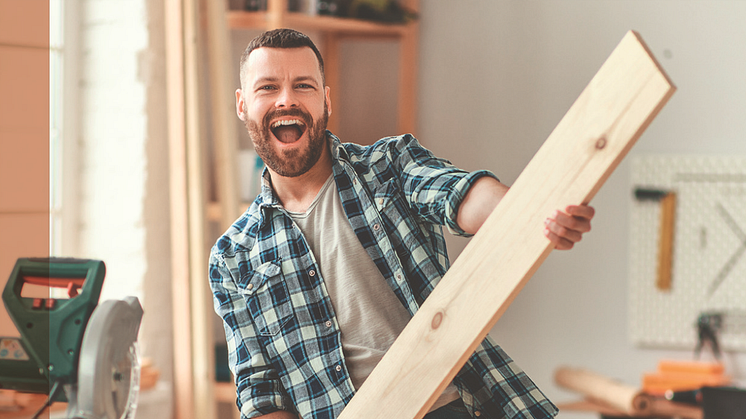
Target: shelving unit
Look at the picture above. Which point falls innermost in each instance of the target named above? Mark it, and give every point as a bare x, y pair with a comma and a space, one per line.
238, 19
194, 215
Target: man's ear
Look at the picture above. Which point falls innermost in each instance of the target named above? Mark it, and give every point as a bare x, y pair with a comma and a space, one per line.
240, 105
328, 100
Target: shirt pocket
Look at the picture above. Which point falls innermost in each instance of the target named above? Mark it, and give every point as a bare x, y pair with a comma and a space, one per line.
390, 201
267, 298
396, 213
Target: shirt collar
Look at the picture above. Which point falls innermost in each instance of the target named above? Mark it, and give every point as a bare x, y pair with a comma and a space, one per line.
267, 198
335, 145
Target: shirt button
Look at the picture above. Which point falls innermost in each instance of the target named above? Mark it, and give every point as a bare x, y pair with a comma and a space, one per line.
376, 227
328, 323
477, 413
338, 368
250, 287
312, 272
380, 201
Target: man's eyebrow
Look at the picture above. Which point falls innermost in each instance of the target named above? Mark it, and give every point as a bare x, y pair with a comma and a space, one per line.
306, 79
266, 79
272, 79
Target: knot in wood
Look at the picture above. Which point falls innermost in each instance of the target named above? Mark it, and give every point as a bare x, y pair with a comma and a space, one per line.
601, 142
437, 320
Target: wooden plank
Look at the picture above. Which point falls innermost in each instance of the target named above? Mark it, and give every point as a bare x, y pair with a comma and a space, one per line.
176, 20
579, 155
611, 392
224, 140
408, 69
24, 137
25, 23
224, 133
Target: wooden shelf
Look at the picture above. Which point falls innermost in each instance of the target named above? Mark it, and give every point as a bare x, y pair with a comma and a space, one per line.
238, 19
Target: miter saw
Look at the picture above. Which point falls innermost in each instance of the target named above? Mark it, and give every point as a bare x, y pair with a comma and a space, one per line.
71, 348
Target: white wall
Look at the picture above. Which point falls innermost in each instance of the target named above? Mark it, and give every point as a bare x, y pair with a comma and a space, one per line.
123, 155
495, 79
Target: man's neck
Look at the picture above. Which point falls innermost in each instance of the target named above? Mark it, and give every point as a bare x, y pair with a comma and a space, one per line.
297, 193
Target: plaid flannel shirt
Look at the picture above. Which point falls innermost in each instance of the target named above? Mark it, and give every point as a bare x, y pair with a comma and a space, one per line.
284, 342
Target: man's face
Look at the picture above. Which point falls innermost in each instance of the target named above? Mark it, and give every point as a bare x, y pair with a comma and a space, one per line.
285, 108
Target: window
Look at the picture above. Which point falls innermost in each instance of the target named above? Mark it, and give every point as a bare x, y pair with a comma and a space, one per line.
63, 117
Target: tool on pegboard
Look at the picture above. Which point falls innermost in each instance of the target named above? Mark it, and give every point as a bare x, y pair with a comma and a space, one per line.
710, 324
667, 199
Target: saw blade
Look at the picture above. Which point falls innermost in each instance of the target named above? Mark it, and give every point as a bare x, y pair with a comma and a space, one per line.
108, 368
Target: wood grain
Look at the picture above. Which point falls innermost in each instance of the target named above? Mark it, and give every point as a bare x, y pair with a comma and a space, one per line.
579, 155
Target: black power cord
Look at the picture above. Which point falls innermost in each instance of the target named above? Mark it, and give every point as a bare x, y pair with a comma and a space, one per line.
52, 393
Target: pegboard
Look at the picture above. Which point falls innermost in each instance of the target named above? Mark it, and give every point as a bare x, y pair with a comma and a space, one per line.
709, 250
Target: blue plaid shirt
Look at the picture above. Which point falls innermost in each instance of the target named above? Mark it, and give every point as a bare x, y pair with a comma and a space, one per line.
283, 338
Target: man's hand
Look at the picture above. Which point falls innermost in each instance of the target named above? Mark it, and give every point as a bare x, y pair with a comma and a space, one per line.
564, 229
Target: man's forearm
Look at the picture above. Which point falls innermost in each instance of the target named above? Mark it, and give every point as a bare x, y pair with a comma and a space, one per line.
479, 202
564, 227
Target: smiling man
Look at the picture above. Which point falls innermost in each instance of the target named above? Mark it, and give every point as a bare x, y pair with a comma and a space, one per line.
285, 106
322, 272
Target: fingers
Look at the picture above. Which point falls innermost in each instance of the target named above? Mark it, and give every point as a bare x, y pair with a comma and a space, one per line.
564, 229
561, 234
582, 211
560, 243
576, 219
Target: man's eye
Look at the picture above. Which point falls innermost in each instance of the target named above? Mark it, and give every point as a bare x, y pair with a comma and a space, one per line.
267, 88
305, 86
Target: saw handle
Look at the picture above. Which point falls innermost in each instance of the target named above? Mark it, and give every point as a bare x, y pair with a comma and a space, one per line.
72, 285
79, 276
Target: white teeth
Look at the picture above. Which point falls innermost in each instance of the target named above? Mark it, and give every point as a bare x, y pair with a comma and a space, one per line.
287, 122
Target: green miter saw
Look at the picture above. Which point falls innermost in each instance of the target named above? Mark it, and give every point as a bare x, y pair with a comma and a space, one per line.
71, 348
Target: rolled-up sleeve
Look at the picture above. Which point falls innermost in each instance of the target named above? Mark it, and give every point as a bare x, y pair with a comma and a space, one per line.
434, 187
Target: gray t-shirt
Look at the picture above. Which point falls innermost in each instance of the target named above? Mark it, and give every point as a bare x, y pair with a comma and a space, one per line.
369, 314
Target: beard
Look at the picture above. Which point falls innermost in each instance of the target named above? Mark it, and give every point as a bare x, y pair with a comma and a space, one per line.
296, 161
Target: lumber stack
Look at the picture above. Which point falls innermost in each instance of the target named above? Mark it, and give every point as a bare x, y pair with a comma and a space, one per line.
611, 397
677, 376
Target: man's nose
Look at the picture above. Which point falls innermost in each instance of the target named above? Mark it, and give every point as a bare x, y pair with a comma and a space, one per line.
287, 99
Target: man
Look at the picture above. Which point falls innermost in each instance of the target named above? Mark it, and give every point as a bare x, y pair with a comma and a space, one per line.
319, 276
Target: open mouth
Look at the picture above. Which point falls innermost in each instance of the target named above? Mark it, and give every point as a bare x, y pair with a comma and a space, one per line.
288, 131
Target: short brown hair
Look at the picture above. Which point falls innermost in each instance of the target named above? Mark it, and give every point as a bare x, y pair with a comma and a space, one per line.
282, 38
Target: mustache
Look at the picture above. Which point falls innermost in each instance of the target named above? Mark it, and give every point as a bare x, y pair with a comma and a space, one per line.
277, 113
